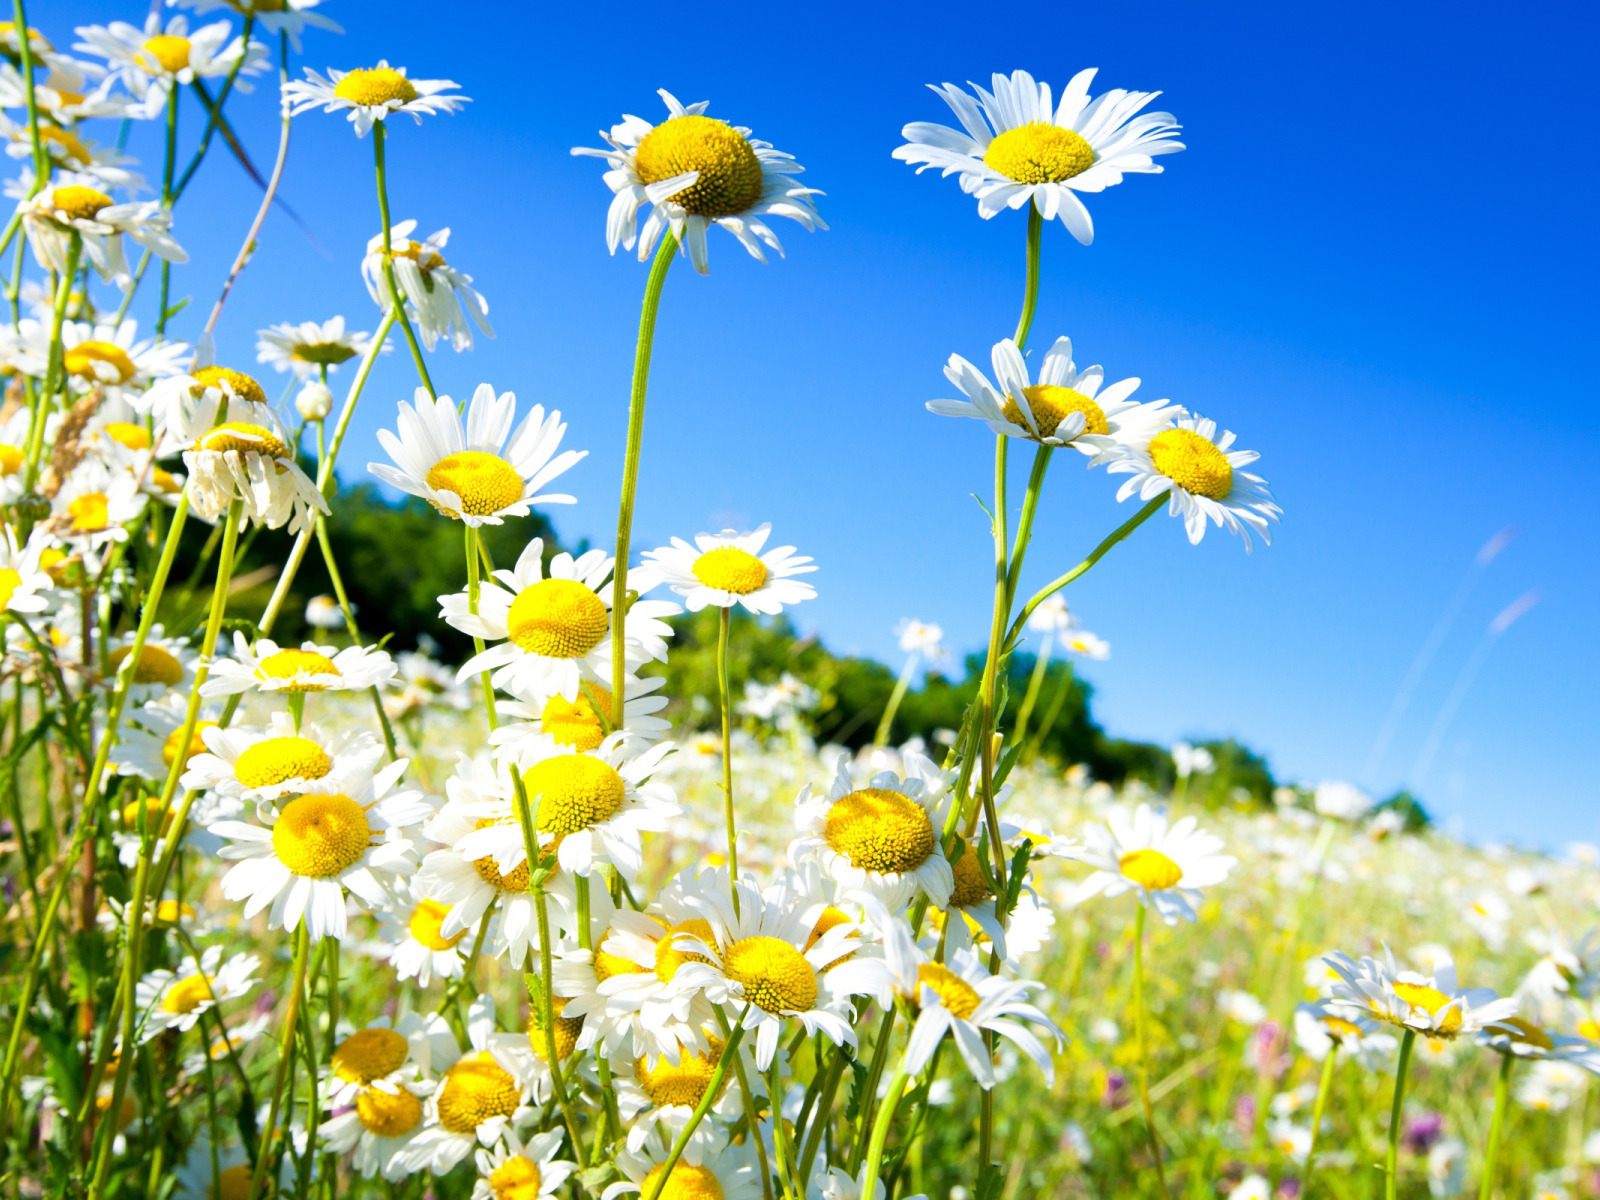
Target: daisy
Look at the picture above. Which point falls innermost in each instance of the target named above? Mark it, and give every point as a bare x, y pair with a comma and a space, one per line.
1523, 1039
1201, 476
111, 357
1065, 408
882, 838
266, 765
472, 475
312, 668
94, 508
1320, 1029
377, 1076
1017, 148
554, 631
371, 94
252, 463
380, 1127
582, 724
68, 153
149, 821
1430, 1004
415, 944
14, 429
275, 16
233, 1172
151, 61
1166, 865
438, 293
21, 580
709, 1168
204, 396
313, 846
309, 348
697, 171
669, 1089
724, 570
510, 1170
164, 664
151, 741
1087, 645
178, 999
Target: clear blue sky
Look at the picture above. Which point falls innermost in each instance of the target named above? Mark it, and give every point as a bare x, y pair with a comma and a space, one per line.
1375, 262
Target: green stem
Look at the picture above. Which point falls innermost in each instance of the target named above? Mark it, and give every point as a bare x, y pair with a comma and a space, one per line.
302, 952
1324, 1085
41, 157
1030, 289
1391, 1167
1144, 1047
824, 1112
55, 368
713, 1090
1041, 666
723, 624
395, 299
792, 1188
880, 1055
1502, 1087
214, 114
484, 677
547, 1012
350, 623
880, 1132
886, 722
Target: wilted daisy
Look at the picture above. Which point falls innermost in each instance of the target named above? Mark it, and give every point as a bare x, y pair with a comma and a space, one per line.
21, 581
371, 94
510, 1170
151, 61
440, 296
554, 631
1434, 1004
1016, 147
472, 475
178, 999
709, 1169
417, 946
1167, 865
267, 667
1065, 408
728, 568
882, 838
696, 171
309, 348
1202, 477
280, 760
254, 464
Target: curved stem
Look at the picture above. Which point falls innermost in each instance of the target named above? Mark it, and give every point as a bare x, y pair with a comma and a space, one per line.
1030, 287
730, 1051
880, 1131
1502, 1087
1391, 1166
302, 952
396, 301
901, 686
1323, 1086
1144, 1047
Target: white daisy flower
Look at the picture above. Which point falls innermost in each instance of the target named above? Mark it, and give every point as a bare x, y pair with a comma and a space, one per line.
1016, 147
165, 664
416, 946
697, 171
14, 430
204, 396
371, 94
728, 568
82, 160
709, 1169
1065, 408
1087, 645
233, 1171
281, 760
1320, 1029
311, 847
21, 580
1166, 865
669, 1089
177, 999
380, 1127
473, 475
149, 742
1202, 477
540, 728
101, 355
1434, 1004
151, 61
882, 838
251, 462
148, 817
309, 348
512, 1170
94, 508
63, 93
440, 296
275, 16
312, 668
378, 1077
554, 631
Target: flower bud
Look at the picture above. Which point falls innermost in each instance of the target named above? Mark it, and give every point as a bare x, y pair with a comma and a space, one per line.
314, 402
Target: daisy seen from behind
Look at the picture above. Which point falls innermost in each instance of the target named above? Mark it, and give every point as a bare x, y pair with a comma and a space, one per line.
1166, 864
440, 296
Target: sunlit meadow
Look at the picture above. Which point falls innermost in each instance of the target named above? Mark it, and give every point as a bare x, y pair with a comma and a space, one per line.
333, 916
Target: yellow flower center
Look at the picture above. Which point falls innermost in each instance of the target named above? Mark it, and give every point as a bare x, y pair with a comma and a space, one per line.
831, 918
880, 830
369, 1054
10, 460
246, 439
426, 257
1192, 462
776, 976
388, 1115
557, 618
78, 202
669, 958
573, 791
567, 1030
87, 360
729, 569
187, 995
234, 1183
71, 147
1039, 152
574, 722
424, 925
515, 881
170, 911
286, 664
223, 379
1151, 869
127, 434
10, 581
484, 483
1528, 1034
164, 481
971, 887
1052, 405
373, 86
126, 1112
1589, 1029
1430, 1000
324, 354
272, 761
320, 836
954, 992
155, 665
90, 512
730, 174
476, 1090
170, 53
155, 814
607, 965
169, 748
515, 1179
1338, 1028
684, 1084
687, 1181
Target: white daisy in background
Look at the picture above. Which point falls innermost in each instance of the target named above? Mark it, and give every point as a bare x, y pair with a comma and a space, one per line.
280, 760
1087, 645
1523, 1039
709, 1169
94, 508
582, 724
1167, 865
151, 61
696, 171
440, 296
164, 663
512, 1170
100, 354
1053, 616
668, 1089
148, 818
151, 737
882, 838
323, 612
1321, 1028
310, 347
1202, 477
922, 638
728, 568
63, 93
371, 94
1065, 408
177, 999
413, 938
233, 1173
1434, 1004
106, 168
309, 848
473, 475
24, 588
1016, 147
275, 16
554, 631
377, 1076
14, 429
312, 668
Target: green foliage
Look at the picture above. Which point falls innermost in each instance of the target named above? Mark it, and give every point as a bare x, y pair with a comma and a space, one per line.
1410, 809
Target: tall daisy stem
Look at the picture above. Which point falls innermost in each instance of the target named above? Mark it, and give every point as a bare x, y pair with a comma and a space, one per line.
55, 362
1142, 1038
1502, 1088
396, 301
1324, 1086
41, 157
1391, 1166
477, 642
901, 686
730, 1052
880, 1129
302, 952
1030, 286
548, 1015
723, 624
1041, 667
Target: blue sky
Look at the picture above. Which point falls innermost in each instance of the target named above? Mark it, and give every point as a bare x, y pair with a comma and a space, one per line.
1375, 262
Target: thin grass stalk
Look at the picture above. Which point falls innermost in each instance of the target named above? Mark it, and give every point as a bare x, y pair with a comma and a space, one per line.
1491, 1154
302, 952
1141, 1035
